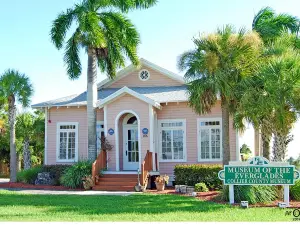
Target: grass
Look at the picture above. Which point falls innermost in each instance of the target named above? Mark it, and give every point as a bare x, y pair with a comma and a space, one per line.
15, 206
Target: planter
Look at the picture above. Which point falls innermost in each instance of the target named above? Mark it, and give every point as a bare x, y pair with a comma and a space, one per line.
160, 186
177, 188
183, 188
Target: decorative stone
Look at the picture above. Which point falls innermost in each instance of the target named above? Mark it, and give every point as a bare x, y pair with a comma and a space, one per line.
190, 190
281, 204
244, 204
177, 188
194, 194
183, 188
44, 178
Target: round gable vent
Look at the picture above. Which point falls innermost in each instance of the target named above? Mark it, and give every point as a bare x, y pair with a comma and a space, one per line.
144, 75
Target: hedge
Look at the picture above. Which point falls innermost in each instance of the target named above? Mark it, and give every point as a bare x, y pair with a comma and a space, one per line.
198, 173
56, 172
28, 176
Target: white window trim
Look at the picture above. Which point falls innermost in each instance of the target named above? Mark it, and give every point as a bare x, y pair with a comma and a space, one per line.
159, 122
58, 137
141, 72
199, 141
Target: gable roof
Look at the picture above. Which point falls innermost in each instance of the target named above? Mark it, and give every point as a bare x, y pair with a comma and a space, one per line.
125, 90
159, 94
131, 68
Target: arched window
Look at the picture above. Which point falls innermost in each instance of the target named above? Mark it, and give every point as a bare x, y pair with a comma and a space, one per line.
132, 120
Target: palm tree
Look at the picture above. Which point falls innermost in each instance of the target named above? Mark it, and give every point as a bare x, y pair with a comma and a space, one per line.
25, 131
272, 102
107, 36
216, 67
270, 26
14, 87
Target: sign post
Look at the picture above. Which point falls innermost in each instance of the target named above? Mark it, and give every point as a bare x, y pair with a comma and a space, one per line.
259, 171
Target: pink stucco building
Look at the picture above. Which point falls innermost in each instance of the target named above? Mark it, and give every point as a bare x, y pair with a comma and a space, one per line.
142, 109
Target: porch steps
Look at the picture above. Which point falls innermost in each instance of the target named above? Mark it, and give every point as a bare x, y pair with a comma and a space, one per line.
116, 182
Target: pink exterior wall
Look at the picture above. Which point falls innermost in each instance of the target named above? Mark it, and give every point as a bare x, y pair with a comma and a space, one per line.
100, 115
64, 114
126, 102
183, 111
156, 79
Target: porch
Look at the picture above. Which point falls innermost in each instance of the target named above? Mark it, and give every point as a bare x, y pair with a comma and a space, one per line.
123, 180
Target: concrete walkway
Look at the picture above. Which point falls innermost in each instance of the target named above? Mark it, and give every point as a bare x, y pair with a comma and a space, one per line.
55, 192
64, 192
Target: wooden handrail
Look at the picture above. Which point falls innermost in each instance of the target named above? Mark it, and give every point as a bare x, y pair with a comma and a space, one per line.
146, 166
156, 162
99, 164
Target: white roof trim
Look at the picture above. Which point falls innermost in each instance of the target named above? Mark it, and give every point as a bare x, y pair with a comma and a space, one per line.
126, 90
123, 73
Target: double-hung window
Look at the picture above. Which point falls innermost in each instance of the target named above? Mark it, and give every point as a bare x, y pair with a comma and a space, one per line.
67, 142
209, 139
100, 134
172, 140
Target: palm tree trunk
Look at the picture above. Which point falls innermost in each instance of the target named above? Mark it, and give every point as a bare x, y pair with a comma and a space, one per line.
91, 103
12, 131
225, 132
279, 146
265, 145
26, 155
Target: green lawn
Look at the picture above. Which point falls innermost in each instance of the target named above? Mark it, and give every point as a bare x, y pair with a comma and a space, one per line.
140, 207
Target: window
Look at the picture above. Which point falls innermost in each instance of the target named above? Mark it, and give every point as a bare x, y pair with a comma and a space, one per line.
172, 140
67, 142
209, 140
144, 75
99, 134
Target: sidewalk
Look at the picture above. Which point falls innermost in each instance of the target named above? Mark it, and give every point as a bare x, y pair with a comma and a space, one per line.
53, 192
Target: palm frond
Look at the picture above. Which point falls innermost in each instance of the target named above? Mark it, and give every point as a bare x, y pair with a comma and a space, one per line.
60, 26
14, 83
71, 56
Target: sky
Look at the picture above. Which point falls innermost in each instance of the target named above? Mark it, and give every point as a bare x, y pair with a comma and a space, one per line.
166, 31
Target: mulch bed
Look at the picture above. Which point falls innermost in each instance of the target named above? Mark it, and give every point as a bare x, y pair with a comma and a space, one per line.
37, 187
212, 196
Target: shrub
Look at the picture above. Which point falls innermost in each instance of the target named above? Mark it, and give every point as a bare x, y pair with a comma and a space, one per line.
251, 193
28, 176
196, 173
56, 172
295, 190
201, 187
72, 177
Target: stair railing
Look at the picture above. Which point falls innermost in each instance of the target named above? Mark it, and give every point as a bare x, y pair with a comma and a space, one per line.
146, 167
99, 164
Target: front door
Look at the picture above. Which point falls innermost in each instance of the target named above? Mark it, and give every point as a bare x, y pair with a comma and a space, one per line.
131, 148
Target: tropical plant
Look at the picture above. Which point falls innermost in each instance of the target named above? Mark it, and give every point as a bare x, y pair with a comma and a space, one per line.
73, 175
29, 175
273, 100
107, 36
251, 193
30, 131
270, 27
14, 87
295, 191
201, 187
217, 67
245, 151
25, 130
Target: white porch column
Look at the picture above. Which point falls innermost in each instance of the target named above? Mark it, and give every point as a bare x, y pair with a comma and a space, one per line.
46, 137
151, 134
